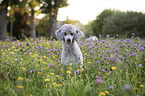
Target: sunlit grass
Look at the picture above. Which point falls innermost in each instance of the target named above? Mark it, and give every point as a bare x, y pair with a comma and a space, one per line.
111, 67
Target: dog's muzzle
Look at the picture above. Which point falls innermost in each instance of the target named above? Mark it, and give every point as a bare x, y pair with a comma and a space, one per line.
68, 40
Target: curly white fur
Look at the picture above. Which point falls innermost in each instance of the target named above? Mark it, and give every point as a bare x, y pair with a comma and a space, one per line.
71, 53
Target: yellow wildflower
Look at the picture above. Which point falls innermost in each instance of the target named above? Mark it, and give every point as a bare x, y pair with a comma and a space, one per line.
47, 79
6, 88
57, 76
19, 78
82, 70
113, 68
70, 64
107, 92
39, 72
88, 62
102, 94
69, 67
68, 72
55, 84
20, 87
23, 68
141, 85
52, 73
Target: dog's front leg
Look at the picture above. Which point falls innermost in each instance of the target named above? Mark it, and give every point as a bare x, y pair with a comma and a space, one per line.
63, 58
81, 60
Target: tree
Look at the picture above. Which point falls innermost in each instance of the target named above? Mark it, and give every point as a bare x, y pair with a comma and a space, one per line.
43, 26
97, 24
125, 23
88, 29
51, 7
32, 5
3, 15
21, 23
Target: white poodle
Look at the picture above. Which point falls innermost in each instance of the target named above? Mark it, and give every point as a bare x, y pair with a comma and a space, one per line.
71, 53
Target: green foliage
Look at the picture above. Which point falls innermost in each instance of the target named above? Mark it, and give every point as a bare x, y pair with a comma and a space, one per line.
125, 23
112, 67
6, 3
21, 23
43, 26
33, 3
97, 24
88, 30
50, 6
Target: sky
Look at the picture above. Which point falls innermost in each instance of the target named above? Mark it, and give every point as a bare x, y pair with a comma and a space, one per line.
87, 10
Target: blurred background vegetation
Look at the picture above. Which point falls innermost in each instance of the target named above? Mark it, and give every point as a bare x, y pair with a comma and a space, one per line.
18, 19
116, 23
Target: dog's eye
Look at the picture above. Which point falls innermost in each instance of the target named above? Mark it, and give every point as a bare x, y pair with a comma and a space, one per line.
65, 34
71, 34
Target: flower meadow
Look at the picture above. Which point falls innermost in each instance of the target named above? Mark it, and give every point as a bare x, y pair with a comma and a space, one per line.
112, 67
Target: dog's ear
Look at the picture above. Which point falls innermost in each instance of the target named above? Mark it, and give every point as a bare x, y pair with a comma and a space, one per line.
78, 34
59, 35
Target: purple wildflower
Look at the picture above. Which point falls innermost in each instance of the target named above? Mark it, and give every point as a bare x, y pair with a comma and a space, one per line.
98, 61
139, 73
77, 72
115, 50
104, 70
51, 65
40, 70
139, 65
91, 51
6, 78
6, 40
58, 53
126, 87
110, 87
98, 67
141, 48
90, 47
133, 33
28, 53
17, 60
31, 71
108, 35
60, 75
130, 54
99, 77
98, 82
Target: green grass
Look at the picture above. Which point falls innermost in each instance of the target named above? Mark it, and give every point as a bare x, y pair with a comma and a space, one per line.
33, 68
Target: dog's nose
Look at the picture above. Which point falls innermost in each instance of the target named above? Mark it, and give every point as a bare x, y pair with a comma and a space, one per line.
68, 40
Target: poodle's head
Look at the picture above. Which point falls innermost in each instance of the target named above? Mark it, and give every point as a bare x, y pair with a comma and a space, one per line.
68, 33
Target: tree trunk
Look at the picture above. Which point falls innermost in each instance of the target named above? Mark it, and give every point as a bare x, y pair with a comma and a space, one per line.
33, 32
53, 23
3, 23
11, 29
